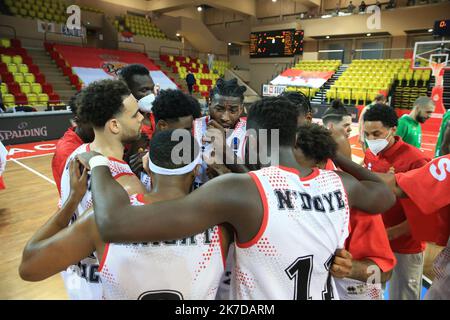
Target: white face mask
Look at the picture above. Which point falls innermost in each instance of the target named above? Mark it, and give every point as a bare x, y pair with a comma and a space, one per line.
378, 145
146, 103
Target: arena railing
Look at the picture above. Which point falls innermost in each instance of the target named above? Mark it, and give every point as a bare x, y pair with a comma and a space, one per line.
64, 36
11, 28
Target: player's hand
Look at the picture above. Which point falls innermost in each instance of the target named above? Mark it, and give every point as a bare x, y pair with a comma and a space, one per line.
342, 264
86, 156
215, 170
78, 179
145, 165
136, 163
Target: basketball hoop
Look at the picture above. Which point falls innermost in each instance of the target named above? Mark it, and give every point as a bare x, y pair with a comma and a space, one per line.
436, 68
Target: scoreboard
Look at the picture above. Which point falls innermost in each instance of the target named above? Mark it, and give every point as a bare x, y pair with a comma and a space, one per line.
277, 43
442, 28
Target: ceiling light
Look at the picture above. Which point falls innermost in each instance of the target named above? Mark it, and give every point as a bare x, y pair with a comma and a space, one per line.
199, 8
328, 37
178, 34
430, 30
229, 43
326, 16
369, 34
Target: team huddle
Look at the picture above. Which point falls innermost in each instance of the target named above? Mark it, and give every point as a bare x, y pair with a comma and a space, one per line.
263, 203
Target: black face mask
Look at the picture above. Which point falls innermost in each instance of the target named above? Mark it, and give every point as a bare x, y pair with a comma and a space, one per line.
421, 119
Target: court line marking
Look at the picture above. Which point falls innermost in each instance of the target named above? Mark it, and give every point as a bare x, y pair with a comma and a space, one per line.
33, 171
35, 156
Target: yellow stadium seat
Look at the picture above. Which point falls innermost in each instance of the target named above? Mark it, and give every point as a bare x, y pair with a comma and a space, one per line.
6, 59
12, 68
32, 99
17, 59
18, 77
8, 100
4, 88
42, 98
36, 88
5, 43
29, 77
25, 88
23, 68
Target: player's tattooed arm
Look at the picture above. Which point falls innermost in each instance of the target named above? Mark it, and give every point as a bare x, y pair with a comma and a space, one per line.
367, 192
363, 269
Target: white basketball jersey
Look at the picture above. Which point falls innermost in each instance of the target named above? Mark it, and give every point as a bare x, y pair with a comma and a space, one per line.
182, 269
351, 289
236, 140
305, 220
82, 281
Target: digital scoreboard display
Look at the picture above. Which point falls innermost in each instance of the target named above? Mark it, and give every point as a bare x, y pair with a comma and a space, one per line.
278, 43
442, 28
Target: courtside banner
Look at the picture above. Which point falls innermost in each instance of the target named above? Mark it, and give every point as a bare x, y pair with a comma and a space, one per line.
300, 78
30, 127
272, 91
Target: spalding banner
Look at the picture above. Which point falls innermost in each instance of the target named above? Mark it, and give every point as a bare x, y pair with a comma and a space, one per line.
32, 127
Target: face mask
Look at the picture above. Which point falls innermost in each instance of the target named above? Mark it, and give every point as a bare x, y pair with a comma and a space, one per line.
378, 145
146, 103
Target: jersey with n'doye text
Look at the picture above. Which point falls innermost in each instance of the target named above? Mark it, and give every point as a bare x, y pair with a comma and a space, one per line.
305, 220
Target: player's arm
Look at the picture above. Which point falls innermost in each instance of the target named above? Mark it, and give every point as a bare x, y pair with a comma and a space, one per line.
221, 201
43, 251
445, 145
364, 189
50, 252
361, 270
398, 230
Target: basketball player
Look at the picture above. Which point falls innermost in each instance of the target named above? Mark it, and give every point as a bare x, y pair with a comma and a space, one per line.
73, 138
367, 243
172, 109
444, 134
188, 268
387, 151
427, 187
337, 119
225, 111
302, 103
138, 79
112, 111
379, 98
409, 125
287, 218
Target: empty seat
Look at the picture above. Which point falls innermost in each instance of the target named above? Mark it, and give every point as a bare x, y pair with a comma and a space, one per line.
25, 88
42, 98
17, 59
18, 77
8, 100
29, 77
36, 88
6, 59
23, 68
12, 68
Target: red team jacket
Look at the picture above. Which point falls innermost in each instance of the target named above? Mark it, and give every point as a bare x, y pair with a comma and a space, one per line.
368, 238
432, 221
64, 148
403, 157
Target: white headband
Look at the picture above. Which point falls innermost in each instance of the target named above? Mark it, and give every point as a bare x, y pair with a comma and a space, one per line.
174, 172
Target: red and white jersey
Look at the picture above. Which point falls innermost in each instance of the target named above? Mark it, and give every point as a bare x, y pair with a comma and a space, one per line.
82, 280
235, 140
351, 289
182, 269
305, 220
